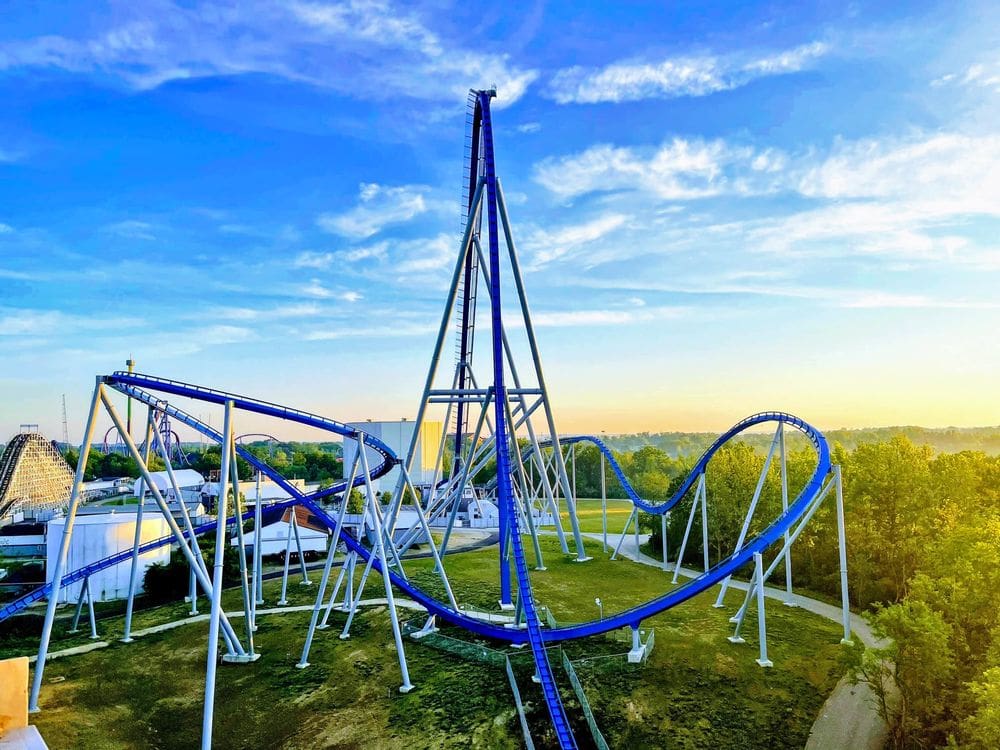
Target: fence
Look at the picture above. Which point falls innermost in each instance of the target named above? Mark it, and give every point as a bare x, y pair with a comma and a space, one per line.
595, 732
520, 707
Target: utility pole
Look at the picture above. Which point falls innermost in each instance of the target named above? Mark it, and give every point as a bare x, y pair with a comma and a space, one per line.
130, 364
65, 424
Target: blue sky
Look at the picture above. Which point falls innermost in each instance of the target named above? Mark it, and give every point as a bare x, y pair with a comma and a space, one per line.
722, 208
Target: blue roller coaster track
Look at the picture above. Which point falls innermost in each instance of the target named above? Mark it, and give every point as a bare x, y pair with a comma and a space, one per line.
149, 390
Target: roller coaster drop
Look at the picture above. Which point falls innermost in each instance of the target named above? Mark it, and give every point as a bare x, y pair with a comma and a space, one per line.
526, 479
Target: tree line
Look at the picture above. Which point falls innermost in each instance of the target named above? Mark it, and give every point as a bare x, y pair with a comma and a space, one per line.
313, 462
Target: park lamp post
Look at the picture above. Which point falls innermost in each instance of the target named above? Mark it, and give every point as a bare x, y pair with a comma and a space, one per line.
600, 606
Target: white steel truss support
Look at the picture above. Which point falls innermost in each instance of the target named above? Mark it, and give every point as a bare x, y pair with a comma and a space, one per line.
663, 537
320, 594
791, 539
789, 601
845, 602
604, 505
192, 596
352, 608
346, 569
283, 600
750, 512
390, 600
248, 618
756, 591
635, 527
60, 562
539, 375
182, 542
474, 210
180, 539
761, 619
464, 478
525, 418
85, 592
189, 528
215, 615
258, 554
331, 554
293, 534
439, 461
572, 458
438, 564
633, 516
525, 505
700, 498
133, 581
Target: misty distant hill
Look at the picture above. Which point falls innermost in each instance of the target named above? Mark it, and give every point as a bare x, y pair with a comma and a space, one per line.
941, 440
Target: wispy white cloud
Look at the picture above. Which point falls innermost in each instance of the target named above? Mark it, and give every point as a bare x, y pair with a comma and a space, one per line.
300, 310
132, 229
378, 206
403, 329
365, 48
528, 127
681, 169
6, 228
854, 299
978, 75
425, 255
376, 251
547, 246
223, 334
829, 296
315, 289
912, 198
34, 322
311, 259
570, 318
948, 172
696, 75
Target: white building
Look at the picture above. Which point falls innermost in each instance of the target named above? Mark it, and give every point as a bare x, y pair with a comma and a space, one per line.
98, 536
188, 480
268, 491
397, 435
274, 538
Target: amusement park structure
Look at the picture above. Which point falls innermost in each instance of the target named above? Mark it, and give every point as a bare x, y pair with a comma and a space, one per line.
496, 412
114, 440
34, 479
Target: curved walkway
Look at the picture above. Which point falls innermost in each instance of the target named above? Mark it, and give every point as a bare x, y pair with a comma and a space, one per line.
848, 719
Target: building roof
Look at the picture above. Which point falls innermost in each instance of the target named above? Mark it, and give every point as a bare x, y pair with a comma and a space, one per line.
186, 479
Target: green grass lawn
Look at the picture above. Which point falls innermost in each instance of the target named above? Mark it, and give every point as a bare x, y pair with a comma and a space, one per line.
696, 691
588, 511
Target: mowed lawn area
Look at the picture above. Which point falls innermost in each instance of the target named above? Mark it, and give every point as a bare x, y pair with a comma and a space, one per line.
588, 511
696, 691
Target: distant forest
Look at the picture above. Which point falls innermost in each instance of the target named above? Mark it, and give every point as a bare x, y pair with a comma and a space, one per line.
313, 462
941, 440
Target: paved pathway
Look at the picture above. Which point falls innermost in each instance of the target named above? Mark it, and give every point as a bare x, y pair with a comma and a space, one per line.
401, 603
848, 719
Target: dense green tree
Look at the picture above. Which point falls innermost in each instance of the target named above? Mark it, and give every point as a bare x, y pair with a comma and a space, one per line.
910, 674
